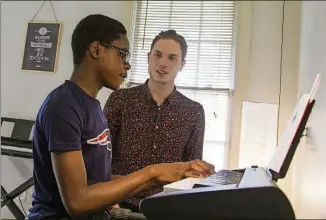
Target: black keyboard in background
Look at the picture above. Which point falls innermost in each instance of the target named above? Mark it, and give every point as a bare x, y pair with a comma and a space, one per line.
16, 148
222, 177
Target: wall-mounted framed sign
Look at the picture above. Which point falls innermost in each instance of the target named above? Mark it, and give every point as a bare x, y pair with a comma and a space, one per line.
41, 46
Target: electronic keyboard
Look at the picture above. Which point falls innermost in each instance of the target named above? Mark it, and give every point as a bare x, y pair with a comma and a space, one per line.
16, 148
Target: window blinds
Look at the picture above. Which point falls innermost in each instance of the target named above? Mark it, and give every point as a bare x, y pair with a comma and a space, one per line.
208, 29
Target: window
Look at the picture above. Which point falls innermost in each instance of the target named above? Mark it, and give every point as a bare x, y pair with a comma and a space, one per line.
207, 76
258, 133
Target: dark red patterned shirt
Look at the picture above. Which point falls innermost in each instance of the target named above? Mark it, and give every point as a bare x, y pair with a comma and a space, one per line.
144, 133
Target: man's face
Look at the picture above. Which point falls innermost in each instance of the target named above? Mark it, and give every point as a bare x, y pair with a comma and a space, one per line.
113, 65
165, 61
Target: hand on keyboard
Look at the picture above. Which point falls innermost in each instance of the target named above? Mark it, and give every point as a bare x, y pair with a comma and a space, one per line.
172, 172
223, 177
197, 167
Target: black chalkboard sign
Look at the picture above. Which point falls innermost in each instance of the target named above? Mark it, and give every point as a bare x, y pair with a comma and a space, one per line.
41, 46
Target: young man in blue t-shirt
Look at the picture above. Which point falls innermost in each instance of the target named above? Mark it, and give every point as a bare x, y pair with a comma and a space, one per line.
72, 146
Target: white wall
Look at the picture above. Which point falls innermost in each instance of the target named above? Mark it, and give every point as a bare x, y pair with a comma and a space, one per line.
304, 52
23, 92
259, 40
309, 183
18, 86
259, 50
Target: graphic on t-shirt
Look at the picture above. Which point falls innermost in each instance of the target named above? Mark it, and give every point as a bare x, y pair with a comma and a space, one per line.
101, 139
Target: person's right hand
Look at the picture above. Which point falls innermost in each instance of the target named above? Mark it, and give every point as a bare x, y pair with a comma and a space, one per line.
171, 172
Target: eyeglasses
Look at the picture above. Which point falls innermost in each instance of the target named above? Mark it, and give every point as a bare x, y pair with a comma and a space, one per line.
125, 55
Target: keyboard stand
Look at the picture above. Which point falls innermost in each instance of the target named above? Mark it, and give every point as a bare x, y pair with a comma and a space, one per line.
8, 199
20, 134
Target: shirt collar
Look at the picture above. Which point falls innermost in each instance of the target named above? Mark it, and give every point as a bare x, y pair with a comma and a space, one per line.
172, 98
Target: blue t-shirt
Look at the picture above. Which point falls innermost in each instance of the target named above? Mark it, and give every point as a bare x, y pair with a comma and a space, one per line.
68, 120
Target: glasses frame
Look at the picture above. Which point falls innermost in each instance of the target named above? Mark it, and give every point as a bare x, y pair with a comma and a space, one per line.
125, 55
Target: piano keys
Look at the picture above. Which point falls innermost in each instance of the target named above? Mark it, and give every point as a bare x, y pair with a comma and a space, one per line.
16, 148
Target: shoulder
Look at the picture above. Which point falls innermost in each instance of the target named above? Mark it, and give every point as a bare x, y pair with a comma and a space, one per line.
121, 98
187, 102
127, 91
60, 104
125, 94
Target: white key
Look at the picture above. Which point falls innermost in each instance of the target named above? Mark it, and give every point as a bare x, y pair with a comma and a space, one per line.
20, 149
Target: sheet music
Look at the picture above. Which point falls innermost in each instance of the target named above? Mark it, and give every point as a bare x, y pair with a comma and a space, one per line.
288, 134
292, 127
7, 128
315, 87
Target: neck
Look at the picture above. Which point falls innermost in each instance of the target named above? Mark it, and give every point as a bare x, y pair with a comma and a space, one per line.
159, 91
85, 78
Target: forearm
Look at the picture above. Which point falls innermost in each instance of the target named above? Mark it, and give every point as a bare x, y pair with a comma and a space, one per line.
139, 189
102, 195
144, 187
116, 177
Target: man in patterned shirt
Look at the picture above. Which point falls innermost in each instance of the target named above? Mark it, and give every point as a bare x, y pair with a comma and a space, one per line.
154, 123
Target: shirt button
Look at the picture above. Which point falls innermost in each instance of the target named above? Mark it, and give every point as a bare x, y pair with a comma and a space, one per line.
159, 108
156, 127
154, 146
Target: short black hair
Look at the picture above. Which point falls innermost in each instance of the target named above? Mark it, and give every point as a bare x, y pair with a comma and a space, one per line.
172, 34
95, 27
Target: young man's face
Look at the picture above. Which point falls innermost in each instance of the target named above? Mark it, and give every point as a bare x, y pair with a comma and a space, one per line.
114, 66
165, 61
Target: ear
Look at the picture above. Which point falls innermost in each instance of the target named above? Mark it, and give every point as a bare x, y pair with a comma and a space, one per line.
148, 55
182, 65
95, 50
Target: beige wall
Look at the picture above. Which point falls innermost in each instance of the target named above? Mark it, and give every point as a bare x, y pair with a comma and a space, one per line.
259, 37
309, 176
258, 62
